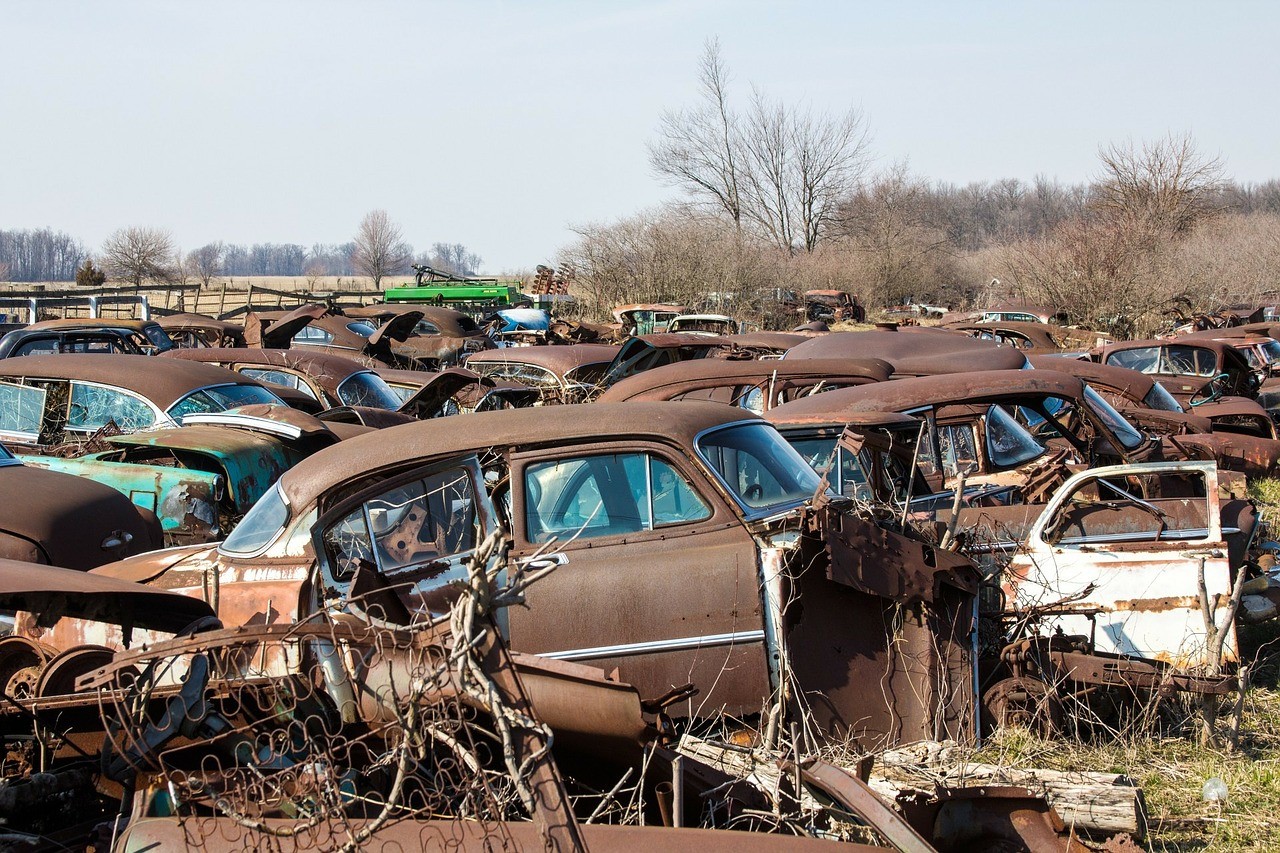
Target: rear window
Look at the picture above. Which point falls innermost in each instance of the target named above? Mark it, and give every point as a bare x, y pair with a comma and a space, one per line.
219, 398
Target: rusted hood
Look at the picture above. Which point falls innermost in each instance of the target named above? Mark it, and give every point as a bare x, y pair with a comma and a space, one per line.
397, 328
1248, 454
438, 388
52, 592
145, 568
260, 332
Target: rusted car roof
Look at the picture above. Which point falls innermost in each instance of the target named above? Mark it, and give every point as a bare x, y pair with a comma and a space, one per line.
1210, 343
902, 394
161, 380
1039, 335
923, 351
663, 383
51, 591
198, 321
1133, 384
670, 423
776, 341
664, 340
92, 323
328, 369
558, 359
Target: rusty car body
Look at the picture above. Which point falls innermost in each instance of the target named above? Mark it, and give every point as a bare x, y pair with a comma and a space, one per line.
327, 380
440, 333
320, 328
753, 385
394, 517
832, 306
560, 374
1192, 369
46, 400
201, 477
913, 350
74, 335
57, 519
197, 330
1033, 336
646, 318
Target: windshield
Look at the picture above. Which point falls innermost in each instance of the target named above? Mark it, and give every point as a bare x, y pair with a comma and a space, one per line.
1008, 444
259, 526
1160, 398
219, 398
1124, 431
367, 389
760, 469
158, 337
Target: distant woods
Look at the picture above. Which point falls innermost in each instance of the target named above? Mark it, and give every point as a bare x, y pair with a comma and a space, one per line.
139, 255
777, 195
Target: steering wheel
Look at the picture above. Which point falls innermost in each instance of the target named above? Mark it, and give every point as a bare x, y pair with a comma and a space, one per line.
753, 492
1216, 387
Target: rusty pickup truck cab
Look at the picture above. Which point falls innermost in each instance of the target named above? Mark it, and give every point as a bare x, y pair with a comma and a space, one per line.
687, 543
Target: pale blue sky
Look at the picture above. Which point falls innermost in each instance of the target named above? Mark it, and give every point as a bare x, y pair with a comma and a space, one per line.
500, 125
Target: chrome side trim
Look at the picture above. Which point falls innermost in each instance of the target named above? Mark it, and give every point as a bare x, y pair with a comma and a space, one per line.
708, 641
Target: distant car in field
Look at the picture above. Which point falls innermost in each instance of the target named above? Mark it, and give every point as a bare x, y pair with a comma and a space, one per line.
51, 337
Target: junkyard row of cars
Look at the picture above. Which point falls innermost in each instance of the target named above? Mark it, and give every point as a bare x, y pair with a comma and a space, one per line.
294, 549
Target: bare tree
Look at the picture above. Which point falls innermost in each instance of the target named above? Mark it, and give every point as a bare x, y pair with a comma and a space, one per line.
1165, 186
698, 149
4, 270
379, 248
780, 170
205, 263
452, 257
137, 254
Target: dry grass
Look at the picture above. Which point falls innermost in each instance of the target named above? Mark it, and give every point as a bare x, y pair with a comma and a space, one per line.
1173, 767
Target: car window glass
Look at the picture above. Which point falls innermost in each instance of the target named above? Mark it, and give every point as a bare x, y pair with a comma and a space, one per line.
1008, 444
1189, 361
219, 398
606, 495
39, 346
1136, 508
92, 406
278, 377
673, 499
422, 521
312, 335
1144, 359
758, 466
21, 408
347, 544
959, 449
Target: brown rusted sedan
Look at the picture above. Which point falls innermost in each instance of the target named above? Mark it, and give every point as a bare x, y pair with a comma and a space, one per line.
560, 374
684, 539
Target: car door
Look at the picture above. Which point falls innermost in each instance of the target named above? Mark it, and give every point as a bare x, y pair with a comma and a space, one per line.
1117, 554
654, 572
402, 543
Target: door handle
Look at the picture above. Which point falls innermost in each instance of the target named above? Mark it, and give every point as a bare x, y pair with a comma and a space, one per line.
544, 561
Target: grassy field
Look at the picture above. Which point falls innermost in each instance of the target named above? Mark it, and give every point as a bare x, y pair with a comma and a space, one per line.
1172, 766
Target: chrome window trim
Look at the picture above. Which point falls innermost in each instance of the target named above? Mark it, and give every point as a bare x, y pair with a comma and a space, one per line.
706, 641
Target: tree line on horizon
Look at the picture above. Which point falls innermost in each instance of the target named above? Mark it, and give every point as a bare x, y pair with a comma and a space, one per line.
140, 255
777, 195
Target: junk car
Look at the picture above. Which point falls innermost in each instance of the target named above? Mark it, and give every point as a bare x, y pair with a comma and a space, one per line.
46, 400
49, 337
646, 319
913, 351
57, 519
317, 327
688, 540
1193, 370
201, 477
197, 330
560, 374
440, 333
324, 381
